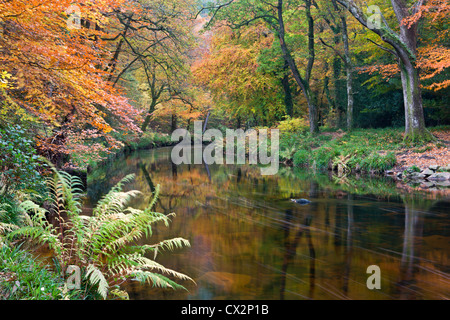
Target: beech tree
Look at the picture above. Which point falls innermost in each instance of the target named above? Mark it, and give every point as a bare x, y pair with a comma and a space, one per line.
243, 13
403, 46
56, 56
340, 27
67, 60
231, 71
154, 45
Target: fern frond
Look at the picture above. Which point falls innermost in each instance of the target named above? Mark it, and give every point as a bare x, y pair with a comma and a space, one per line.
31, 207
170, 244
7, 228
66, 191
155, 279
37, 234
115, 202
146, 263
102, 243
104, 202
96, 277
155, 197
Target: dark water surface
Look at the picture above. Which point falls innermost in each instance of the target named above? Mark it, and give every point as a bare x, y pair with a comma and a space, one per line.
249, 241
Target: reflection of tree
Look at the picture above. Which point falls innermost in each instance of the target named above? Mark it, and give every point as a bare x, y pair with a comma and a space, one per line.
337, 227
151, 185
291, 249
349, 251
169, 199
312, 255
412, 234
174, 170
147, 177
236, 220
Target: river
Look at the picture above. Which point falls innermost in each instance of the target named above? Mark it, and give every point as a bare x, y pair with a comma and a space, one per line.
249, 241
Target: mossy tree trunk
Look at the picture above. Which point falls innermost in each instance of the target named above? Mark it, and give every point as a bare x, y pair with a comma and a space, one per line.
303, 82
404, 48
349, 73
288, 102
414, 118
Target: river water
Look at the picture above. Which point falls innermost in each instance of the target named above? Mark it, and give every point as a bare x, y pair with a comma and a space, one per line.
249, 241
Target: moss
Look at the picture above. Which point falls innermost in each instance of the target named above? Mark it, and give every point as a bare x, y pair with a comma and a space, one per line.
417, 137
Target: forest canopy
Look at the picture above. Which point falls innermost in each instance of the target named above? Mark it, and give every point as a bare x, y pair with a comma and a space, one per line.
93, 76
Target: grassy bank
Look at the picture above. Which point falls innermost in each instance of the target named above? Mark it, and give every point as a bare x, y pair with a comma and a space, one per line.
365, 151
22, 277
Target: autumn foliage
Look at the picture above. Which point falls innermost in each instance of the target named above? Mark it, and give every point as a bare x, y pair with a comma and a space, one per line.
86, 74
433, 56
58, 72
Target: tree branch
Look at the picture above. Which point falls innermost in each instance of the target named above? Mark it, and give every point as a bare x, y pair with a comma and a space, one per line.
383, 48
335, 50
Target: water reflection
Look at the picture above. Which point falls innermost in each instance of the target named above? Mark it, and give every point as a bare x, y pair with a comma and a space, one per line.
250, 242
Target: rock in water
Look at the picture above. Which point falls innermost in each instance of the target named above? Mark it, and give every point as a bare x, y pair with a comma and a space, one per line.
301, 201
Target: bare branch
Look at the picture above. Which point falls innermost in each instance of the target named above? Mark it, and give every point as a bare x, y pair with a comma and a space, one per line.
334, 49
383, 48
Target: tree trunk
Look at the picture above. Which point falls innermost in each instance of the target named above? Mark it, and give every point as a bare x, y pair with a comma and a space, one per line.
313, 111
303, 83
146, 123
349, 98
415, 129
326, 88
148, 117
173, 125
412, 97
349, 71
287, 93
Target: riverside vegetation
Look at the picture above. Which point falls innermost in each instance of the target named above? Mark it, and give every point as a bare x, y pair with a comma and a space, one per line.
103, 245
100, 244
83, 82
368, 151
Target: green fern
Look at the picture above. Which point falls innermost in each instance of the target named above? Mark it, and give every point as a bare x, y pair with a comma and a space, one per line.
96, 277
102, 244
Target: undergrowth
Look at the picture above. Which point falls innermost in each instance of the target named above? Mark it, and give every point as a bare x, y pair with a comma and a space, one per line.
104, 246
371, 150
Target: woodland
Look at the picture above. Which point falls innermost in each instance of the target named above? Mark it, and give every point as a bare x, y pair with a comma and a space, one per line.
351, 84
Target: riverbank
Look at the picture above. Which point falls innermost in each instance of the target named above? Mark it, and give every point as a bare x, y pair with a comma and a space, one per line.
362, 152
372, 152
349, 155
147, 141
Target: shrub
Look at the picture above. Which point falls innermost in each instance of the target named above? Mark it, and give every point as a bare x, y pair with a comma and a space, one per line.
10, 216
323, 157
18, 161
153, 139
293, 125
301, 158
378, 163
101, 245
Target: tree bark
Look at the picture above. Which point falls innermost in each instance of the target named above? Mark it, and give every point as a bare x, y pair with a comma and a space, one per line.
346, 58
287, 93
349, 71
405, 49
173, 125
414, 118
154, 92
303, 83
412, 96
148, 117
